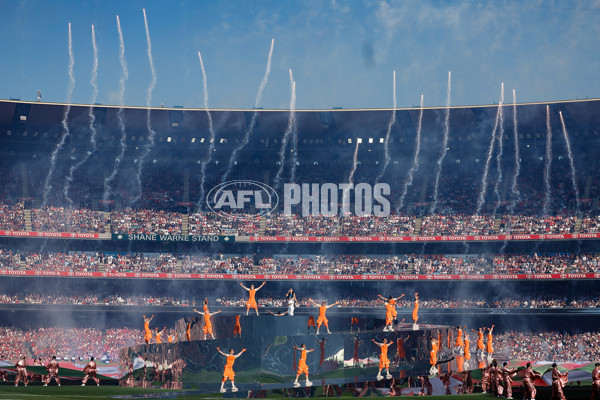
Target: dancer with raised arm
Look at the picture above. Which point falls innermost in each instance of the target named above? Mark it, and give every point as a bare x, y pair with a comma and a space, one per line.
507, 375
322, 311
251, 303
208, 328
384, 362
228, 371
21, 366
291, 300
148, 333
302, 366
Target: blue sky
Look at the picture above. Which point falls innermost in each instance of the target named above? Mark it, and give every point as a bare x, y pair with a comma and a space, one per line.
342, 53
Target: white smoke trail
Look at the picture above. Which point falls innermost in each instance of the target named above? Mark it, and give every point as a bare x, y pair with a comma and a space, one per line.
65, 125
257, 102
352, 171
571, 162
211, 130
151, 133
120, 117
488, 160
415, 164
516, 194
386, 150
288, 131
500, 151
547, 198
92, 149
444, 148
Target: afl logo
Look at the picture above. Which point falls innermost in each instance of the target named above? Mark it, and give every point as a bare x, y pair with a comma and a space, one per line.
248, 197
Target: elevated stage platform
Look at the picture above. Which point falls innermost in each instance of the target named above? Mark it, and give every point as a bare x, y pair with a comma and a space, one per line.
347, 355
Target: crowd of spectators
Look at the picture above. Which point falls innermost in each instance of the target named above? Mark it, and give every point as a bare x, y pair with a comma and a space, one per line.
523, 224
60, 219
149, 221
153, 262
130, 221
448, 225
550, 346
73, 261
12, 217
400, 264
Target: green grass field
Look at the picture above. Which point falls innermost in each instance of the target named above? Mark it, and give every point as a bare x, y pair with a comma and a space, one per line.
9, 392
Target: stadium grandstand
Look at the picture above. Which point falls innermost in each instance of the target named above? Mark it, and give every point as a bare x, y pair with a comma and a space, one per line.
503, 233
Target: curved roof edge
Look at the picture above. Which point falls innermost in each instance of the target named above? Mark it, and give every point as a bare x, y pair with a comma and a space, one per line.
298, 110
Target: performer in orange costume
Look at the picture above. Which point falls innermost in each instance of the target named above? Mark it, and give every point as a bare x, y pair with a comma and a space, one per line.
415, 313
159, 335
148, 333
480, 346
237, 330
52, 368
392, 300
188, 334
302, 366
433, 356
322, 317
208, 329
228, 372
353, 321
311, 322
596, 382
489, 345
251, 303
467, 350
384, 362
389, 317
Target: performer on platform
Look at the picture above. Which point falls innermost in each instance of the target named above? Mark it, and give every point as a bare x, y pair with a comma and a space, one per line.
90, 371
507, 375
148, 333
291, 300
459, 343
188, 333
415, 313
356, 359
559, 381
208, 329
528, 379
480, 346
392, 301
228, 372
467, 349
302, 366
596, 382
170, 337
489, 345
384, 362
389, 318
52, 368
21, 366
159, 335
237, 330
322, 317
354, 321
251, 303
433, 356
205, 305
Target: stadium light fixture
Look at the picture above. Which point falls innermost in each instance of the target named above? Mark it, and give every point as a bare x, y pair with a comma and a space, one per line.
222, 140
201, 140
359, 140
169, 139
349, 140
370, 140
381, 140
193, 140
23, 117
